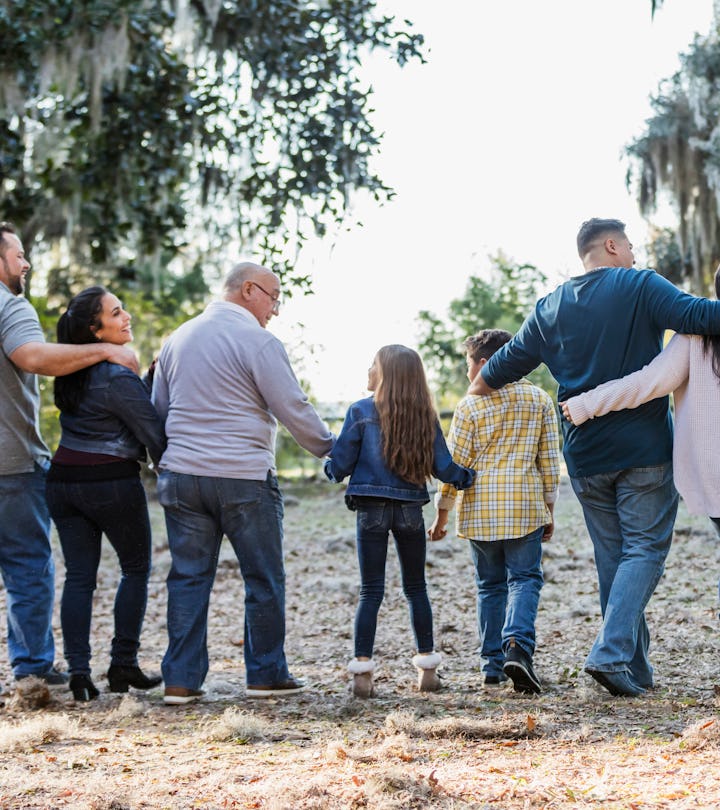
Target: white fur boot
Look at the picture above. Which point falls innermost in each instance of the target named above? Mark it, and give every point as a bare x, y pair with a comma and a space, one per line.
427, 664
362, 672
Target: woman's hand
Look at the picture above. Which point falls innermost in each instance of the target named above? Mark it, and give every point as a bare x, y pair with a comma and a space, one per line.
566, 412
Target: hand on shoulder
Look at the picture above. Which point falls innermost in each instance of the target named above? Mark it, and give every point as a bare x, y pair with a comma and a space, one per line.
123, 356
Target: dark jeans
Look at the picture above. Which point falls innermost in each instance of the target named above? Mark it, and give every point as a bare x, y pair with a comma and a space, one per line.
83, 512
199, 511
376, 517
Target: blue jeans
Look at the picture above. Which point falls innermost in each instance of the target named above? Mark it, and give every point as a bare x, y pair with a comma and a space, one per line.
199, 510
82, 512
376, 517
508, 575
630, 516
28, 571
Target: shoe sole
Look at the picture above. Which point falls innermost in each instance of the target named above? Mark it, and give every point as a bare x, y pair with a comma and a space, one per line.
522, 679
602, 679
180, 700
266, 693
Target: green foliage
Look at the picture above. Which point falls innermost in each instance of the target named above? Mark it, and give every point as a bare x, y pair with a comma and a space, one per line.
678, 157
139, 132
500, 302
664, 256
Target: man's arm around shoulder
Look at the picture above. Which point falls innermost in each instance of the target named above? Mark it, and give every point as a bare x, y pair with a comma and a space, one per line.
511, 362
478, 387
58, 359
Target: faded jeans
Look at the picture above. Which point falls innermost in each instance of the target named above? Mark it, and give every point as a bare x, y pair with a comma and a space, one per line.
28, 571
630, 516
508, 575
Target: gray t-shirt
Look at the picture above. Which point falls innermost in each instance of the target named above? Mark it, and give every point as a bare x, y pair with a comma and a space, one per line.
20, 404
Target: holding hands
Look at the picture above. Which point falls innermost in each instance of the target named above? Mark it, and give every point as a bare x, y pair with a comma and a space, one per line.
437, 530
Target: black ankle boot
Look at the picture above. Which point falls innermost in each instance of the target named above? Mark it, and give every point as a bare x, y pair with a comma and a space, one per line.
83, 688
120, 678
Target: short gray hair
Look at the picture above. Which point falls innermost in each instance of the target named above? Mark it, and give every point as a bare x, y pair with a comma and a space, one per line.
239, 274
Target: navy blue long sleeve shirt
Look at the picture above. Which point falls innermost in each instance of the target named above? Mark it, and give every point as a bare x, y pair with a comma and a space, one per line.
594, 328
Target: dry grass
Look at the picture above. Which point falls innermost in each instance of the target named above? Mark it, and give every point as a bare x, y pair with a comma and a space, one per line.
29, 735
571, 747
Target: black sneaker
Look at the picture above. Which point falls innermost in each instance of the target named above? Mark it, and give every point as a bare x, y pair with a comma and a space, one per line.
494, 681
52, 677
617, 683
518, 667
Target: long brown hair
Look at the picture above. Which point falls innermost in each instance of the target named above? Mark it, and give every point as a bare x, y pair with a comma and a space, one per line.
407, 415
711, 343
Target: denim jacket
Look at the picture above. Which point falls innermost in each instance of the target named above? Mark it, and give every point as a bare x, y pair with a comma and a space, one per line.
115, 416
358, 453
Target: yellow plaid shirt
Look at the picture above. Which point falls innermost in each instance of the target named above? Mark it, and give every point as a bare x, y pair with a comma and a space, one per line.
511, 438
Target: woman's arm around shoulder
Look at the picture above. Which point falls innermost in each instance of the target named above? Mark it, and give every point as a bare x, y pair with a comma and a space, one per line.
664, 374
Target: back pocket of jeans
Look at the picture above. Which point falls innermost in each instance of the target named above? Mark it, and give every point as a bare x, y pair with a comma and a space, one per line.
167, 489
371, 518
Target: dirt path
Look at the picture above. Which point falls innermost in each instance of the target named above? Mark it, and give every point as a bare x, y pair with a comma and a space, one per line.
573, 746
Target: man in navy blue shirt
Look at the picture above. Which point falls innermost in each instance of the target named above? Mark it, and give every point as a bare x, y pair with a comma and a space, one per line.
591, 329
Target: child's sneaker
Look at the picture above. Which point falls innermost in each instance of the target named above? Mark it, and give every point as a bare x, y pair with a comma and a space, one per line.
518, 666
494, 681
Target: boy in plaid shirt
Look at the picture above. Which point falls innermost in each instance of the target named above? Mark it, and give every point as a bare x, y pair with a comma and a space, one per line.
511, 439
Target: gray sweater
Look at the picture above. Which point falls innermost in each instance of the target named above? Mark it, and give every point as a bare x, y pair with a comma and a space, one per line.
221, 383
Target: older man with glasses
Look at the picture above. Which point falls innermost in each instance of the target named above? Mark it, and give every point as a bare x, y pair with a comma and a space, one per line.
221, 382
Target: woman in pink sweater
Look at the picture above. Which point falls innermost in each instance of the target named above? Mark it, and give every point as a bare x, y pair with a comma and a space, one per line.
689, 367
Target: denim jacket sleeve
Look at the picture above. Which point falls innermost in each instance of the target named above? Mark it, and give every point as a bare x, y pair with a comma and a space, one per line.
129, 400
445, 469
345, 452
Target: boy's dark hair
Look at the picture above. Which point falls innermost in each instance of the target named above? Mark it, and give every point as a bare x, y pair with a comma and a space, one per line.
486, 343
593, 228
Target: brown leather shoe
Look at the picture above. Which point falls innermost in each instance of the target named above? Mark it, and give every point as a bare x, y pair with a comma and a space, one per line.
286, 687
180, 695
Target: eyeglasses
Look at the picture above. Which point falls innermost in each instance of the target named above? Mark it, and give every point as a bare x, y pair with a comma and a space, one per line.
277, 303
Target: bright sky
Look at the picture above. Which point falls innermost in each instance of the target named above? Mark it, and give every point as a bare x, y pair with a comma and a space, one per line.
506, 139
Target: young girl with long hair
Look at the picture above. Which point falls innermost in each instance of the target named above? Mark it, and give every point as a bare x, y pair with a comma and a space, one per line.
94, 488
391, 443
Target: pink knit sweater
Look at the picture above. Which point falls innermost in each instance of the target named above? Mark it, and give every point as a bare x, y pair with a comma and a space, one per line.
684, 369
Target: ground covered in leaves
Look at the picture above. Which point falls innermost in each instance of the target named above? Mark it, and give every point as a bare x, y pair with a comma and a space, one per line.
572, 746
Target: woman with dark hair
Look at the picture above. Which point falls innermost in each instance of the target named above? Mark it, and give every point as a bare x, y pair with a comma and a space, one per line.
689, 367
390, 445
94, 488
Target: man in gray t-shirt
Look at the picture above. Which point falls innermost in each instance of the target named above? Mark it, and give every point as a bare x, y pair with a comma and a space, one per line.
26, 562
